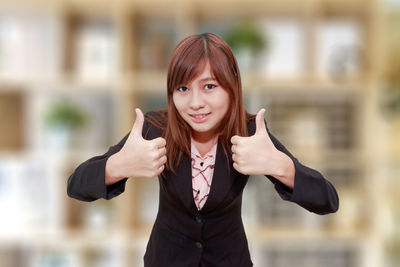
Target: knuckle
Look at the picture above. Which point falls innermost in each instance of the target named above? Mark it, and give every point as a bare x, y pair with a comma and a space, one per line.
238, 167
241, 162
154, 173
153, 154
163, 141
235, 165
153, 146
160, 142
238, 153
237, 150
154, 165
149, 145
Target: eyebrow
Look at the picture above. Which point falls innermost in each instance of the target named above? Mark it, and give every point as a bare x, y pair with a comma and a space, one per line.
207, 79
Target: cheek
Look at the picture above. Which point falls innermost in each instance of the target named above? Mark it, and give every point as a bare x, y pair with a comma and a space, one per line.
224, 102
178, 102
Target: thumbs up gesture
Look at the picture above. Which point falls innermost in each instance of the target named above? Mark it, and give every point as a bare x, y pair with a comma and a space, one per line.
255, 154
139, 157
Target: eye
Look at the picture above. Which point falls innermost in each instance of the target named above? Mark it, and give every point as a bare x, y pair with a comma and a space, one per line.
182, 89
209, 86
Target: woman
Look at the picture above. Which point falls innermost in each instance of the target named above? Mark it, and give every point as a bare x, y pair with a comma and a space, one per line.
203, 149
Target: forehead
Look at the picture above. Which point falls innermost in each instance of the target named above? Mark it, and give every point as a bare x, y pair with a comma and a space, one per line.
202, 72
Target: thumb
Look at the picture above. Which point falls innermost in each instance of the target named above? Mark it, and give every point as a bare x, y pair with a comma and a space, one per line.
138, 125
260, 124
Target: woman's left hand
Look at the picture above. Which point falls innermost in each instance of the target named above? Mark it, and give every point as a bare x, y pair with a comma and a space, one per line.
257, 154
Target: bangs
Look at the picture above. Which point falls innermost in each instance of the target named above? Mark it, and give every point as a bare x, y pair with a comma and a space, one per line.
188, 65
187, 74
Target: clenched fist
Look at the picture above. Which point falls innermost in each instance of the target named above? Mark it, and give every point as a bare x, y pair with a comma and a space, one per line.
139, 157
257, 154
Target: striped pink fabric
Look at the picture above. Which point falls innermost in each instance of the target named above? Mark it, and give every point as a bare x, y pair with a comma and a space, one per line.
202, 173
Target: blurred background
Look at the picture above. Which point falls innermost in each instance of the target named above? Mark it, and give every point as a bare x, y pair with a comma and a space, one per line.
72, 73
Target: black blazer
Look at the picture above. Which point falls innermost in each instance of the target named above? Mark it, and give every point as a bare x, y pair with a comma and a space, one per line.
213, 236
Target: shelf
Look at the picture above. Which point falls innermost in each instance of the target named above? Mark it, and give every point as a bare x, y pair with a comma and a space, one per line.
11, 117
156, 82
271, 234
261, 234
109, 57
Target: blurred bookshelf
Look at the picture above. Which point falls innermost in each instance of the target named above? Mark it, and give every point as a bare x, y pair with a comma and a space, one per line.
318, 80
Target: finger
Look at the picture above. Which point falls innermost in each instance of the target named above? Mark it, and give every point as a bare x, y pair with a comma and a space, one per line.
138, 125
162, 152
233, 148
163, 160
234, 157
161, 168
236, 166
260, 124
159, 142
235, 139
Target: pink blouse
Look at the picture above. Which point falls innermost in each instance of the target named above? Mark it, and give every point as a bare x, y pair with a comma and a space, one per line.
202, 174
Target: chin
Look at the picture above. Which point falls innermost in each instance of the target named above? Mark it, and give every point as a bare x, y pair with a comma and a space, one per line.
200, 130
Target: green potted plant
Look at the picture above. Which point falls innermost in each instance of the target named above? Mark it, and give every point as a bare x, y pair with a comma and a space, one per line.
247, 41
392, 91
61, 120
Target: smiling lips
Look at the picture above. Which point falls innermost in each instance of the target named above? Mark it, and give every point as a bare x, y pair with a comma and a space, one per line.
199, 117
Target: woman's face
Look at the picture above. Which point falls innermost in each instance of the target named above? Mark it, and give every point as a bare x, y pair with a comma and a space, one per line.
202, 103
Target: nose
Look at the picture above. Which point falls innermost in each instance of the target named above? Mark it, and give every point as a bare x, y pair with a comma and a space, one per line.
196, 100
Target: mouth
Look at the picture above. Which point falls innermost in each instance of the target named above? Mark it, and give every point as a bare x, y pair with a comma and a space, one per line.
200, 117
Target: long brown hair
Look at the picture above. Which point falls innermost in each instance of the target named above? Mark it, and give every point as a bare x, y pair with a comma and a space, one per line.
186, 63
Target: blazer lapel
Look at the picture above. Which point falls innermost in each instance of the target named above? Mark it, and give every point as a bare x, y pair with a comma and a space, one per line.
221, 182
220, 185
183, 183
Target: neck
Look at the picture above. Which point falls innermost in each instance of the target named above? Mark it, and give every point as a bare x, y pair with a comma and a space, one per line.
204, 138
204, 143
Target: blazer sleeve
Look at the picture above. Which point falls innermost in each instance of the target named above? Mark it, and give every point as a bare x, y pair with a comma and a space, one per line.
311, 190
87, 182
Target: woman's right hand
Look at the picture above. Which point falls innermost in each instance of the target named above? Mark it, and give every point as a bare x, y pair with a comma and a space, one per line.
138, 157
